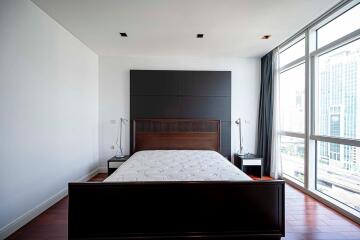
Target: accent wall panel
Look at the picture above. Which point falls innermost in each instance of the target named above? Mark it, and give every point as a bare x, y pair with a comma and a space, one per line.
183, 94
205, 107
154, 83
210, 84
155, 107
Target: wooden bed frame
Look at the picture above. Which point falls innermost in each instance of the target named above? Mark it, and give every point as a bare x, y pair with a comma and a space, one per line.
177, 210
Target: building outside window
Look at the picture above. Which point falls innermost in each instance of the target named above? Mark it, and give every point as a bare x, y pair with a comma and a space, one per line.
319, 95
338, 97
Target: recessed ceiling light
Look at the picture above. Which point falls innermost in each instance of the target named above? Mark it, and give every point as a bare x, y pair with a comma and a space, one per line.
200, 35
266, 37
123, 34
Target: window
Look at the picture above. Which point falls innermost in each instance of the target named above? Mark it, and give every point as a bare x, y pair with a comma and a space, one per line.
337, 100
292, 99
339, 27
292, 110
292, 157
319, 101
338, 173
336, 135
338, 92
292, 53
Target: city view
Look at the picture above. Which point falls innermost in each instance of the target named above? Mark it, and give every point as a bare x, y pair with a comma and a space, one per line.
337, 114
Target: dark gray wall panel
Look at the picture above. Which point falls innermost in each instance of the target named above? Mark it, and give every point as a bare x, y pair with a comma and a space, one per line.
206, 84
183, 94
154, 83
206, 107
155, 107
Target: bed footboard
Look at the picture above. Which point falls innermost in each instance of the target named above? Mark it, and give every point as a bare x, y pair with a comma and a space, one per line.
176, 210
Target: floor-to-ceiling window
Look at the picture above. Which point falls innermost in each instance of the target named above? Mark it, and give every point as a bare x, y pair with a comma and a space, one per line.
337, 108
292, 109
320, 107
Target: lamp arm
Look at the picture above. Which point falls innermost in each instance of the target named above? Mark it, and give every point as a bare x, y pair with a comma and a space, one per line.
121, 150
240, 137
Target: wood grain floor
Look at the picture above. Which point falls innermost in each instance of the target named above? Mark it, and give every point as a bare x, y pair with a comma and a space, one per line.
306, 219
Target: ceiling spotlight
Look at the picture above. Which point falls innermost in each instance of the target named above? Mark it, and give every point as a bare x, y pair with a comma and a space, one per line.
123, 34
200, 35
266, 37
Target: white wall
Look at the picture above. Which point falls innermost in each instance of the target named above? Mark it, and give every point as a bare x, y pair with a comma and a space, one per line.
49, 111
114, 93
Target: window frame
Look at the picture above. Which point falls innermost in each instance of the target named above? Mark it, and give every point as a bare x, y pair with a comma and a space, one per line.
331, 18
296, 61
347, 39
315, 138
293, 64
312, 52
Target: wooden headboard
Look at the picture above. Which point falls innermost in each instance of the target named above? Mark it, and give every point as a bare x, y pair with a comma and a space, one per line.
176, 134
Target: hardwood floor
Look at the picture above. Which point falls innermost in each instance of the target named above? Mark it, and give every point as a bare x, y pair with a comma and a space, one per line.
306, 219
51, 224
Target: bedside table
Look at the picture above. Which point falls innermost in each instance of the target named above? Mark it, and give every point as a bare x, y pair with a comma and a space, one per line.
249, 164
114, 162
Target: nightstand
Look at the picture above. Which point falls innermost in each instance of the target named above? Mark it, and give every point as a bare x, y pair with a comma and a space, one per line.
114, 162
249, 164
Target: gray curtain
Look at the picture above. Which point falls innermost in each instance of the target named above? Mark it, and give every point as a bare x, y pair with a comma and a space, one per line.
265, 118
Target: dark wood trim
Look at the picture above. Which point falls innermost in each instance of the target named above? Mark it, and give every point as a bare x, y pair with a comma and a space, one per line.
177, 210
176, 134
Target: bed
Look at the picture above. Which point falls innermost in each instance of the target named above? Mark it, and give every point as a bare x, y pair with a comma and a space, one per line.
176, 185
177, 165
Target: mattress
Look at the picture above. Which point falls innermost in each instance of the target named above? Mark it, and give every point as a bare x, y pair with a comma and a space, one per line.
177, 165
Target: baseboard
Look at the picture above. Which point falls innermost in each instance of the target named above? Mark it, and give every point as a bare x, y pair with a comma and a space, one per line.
102, 169
16, 224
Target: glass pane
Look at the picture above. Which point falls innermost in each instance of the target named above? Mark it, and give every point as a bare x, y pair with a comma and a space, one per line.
338, 92
292, 99
339, 27
338, 172
292, 53
292, 157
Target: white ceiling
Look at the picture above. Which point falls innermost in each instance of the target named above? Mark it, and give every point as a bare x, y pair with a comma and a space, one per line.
232, 28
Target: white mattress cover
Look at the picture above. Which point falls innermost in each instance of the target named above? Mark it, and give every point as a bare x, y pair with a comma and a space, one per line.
177, 165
